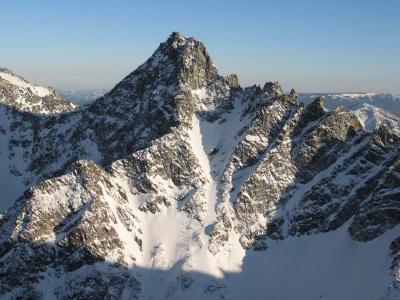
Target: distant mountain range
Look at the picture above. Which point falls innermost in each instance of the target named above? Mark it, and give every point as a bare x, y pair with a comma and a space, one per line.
181, 184
354, 101
82, 97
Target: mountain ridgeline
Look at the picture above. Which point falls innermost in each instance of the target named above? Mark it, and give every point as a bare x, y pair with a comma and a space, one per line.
179, 183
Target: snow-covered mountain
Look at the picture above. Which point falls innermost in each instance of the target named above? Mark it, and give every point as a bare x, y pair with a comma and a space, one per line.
179, 184
354, 101
373, 118
15, 91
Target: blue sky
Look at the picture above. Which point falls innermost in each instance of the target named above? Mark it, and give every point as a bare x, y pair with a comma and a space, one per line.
319, 46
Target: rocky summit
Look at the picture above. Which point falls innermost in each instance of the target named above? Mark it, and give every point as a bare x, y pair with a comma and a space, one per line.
181, 184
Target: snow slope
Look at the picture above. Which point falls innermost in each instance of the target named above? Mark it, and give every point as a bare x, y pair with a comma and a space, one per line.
324, 266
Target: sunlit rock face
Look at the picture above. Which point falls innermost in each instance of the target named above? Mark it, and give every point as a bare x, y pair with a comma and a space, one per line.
179, 176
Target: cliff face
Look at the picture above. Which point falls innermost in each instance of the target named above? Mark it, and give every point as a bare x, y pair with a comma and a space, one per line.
177, 172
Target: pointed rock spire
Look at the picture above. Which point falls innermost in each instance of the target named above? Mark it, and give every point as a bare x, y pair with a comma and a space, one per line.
272, 88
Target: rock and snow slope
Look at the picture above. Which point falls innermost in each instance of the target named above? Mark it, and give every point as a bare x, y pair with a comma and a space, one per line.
180, 184
21, 104
17, 92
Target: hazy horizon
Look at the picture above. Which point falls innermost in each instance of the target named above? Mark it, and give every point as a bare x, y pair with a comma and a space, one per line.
312, 47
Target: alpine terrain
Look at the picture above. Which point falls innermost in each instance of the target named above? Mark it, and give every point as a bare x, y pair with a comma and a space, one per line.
181, 184
354, 101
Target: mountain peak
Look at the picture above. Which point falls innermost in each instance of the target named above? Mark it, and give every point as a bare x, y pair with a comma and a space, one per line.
194, 62
178, 64
176, 38
273, 88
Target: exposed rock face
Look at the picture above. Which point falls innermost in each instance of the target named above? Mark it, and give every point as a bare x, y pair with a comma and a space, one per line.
179, 169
